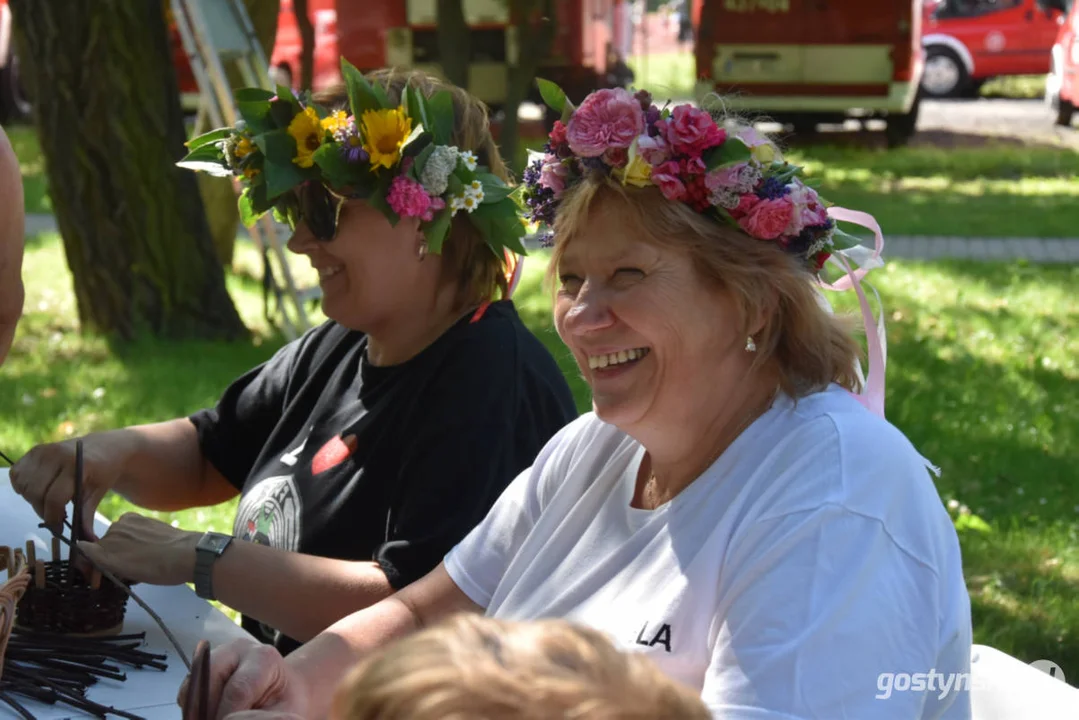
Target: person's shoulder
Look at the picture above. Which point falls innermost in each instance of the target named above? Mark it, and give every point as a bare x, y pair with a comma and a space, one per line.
499, 343
327, 342
583, 449
865, 465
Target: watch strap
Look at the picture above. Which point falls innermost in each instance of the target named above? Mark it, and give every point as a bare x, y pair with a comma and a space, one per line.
210, 548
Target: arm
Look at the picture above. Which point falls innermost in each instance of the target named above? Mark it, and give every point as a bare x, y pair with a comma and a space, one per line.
251, 675
11, 245
271, 585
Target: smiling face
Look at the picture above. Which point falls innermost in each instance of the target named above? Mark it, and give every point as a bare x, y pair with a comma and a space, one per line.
370, 269
655, 343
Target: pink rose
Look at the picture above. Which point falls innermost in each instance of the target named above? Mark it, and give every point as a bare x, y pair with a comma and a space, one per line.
558, 133
407, 197
691, 131
654, 150
768, 219
808, 209
666, 176
745, 205
553, 174
608, 118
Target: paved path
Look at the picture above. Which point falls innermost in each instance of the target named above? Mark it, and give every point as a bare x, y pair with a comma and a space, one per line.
1037, 250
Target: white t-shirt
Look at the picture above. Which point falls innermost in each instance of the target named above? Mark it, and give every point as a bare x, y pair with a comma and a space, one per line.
811, 572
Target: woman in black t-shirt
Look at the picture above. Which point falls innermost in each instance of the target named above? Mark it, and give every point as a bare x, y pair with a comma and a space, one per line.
366, 449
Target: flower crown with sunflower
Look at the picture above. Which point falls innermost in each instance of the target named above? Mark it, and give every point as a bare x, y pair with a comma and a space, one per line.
398, 157
735, 177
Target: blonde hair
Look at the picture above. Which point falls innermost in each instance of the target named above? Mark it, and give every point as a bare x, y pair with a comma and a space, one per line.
467, 260
476, 668
809, 346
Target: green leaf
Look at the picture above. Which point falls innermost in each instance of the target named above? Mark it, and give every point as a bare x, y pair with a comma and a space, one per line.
436, 231
253, 204
283, 113
281, 177
421, 160
416, 104
494, 190
335, 167
554, 96
206, 138
843, 240
731, 152
972, 522
413, 136
208, 159
256, 115
362, 95
277, 145
500, 225
440, 117
454, 184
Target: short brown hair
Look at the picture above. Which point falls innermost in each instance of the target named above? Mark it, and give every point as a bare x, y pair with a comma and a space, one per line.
810, 347
476, 668
468, 261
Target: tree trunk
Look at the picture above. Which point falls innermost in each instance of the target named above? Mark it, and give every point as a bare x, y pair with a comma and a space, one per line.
218, 194
111, 131
307, 44
454, 42
535, 21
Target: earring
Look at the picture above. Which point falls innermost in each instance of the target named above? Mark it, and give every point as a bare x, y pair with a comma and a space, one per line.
421, 252
750, 345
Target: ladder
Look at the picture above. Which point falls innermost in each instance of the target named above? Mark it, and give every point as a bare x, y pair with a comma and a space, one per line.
217, 34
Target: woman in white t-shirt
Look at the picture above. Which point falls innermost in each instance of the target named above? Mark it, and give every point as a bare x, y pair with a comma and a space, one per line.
736, 507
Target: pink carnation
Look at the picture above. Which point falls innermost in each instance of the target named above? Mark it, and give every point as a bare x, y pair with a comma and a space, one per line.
615, 157
608, 118
408, 198
654, 150
691, 131
437, 204
666, 176
769, 218
553, 174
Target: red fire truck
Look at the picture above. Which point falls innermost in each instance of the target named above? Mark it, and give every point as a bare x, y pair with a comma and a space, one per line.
809, 61
373, 34
970, 41
1062, 85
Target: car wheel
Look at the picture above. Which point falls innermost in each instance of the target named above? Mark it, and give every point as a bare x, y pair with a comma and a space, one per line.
944, 75
1065, 112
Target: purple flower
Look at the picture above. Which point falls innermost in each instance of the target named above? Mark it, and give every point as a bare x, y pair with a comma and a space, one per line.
355, 153
772, 189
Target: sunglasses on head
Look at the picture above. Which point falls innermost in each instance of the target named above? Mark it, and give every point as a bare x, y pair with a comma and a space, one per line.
316, 206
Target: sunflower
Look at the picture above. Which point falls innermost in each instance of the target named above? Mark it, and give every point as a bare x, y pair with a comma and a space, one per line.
384, 131
307, 132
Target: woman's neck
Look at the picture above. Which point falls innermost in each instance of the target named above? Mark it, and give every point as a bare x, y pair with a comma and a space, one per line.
406, 334
675, 457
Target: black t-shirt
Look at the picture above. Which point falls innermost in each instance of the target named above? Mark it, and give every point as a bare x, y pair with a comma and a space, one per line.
343, 459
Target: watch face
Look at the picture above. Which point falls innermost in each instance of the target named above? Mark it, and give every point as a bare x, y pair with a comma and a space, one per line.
214, 543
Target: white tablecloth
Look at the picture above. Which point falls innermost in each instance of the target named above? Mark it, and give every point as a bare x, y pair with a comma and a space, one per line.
149, 693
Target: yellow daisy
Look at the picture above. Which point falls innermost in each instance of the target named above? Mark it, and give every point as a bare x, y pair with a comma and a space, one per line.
307, 132
384, 131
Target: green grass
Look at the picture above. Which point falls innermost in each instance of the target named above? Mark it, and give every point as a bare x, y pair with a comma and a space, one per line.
1025, 87
32, 165
670, 75
982, 375
994, 191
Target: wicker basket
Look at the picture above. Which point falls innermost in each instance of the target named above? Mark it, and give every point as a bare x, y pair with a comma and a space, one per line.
59, 599
10, 593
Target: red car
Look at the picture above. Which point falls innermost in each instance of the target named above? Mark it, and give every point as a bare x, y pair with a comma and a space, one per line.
970, 41
1062, 85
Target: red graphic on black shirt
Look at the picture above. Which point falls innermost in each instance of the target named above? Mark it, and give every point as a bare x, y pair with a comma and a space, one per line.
333, 453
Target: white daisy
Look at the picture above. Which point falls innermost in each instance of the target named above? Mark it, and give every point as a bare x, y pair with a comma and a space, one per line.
469, 159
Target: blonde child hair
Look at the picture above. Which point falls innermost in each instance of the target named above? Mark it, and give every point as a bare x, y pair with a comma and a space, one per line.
476, 668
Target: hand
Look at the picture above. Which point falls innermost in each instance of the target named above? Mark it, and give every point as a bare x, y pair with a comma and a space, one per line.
145, 550
248, 675
45, 477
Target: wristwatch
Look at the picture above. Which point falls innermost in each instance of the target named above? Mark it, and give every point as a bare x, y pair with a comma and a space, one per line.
211, 546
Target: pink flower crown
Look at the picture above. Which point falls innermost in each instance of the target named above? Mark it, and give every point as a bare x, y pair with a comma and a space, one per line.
736, 177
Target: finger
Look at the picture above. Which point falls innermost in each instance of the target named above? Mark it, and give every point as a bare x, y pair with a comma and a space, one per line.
250, 686
97, 556
93, 499
223, 663
57, 496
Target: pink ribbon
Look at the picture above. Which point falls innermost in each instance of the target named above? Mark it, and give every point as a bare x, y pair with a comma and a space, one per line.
515, 277
872, 395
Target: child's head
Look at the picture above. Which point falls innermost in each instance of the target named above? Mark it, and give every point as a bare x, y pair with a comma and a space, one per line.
477, 668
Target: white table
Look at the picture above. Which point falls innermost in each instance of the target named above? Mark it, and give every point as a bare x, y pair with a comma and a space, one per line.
149, 693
